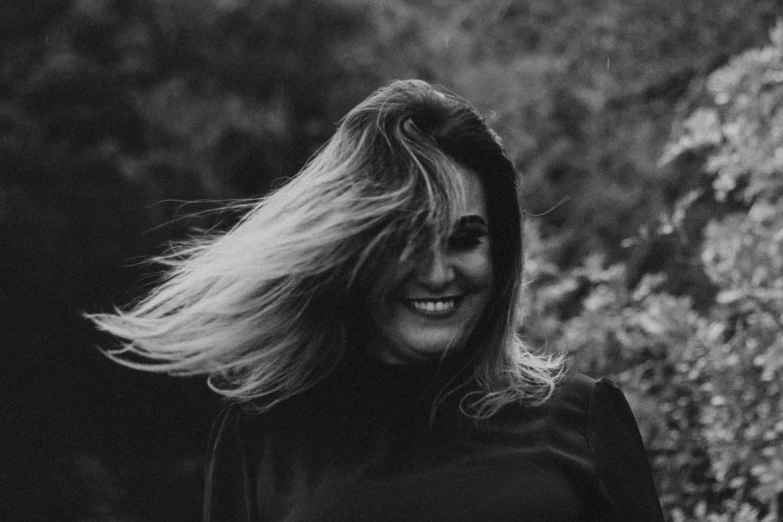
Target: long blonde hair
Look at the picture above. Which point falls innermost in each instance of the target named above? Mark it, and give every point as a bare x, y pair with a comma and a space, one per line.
265, 309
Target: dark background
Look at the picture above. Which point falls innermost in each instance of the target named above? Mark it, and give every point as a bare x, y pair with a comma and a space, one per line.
648, 134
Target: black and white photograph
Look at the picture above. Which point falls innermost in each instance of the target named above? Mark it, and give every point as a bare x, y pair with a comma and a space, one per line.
391, 261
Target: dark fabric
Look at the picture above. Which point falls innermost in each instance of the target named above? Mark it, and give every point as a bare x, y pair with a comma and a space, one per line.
363, 446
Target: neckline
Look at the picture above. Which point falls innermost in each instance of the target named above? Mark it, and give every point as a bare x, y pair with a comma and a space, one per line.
434, 373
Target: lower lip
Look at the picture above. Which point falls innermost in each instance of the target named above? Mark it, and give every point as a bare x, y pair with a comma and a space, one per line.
441, 314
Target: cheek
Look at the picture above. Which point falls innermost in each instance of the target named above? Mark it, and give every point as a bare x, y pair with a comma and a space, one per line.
479, 271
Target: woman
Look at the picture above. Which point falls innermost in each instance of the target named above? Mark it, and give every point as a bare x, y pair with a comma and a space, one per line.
363, 321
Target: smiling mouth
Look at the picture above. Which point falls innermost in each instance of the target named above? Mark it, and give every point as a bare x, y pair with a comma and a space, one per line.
433, 307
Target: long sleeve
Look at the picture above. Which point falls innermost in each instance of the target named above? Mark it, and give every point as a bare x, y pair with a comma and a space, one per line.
621, 461
227, 486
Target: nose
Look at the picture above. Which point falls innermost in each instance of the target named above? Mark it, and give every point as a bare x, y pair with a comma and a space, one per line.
435, 270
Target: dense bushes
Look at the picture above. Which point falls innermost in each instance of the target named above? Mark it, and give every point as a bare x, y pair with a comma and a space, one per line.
706, 385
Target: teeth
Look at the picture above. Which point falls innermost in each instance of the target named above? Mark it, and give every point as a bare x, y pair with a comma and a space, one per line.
433, 306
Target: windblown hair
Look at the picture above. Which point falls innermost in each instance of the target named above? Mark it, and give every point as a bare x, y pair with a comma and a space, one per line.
266, 309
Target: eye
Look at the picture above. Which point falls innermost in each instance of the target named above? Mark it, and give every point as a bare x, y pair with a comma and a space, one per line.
465, 241
468, 234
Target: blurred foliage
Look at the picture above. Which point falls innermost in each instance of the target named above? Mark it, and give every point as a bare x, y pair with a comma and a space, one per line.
705, 384
648, 133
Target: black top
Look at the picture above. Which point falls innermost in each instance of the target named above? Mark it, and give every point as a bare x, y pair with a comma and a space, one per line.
363, 446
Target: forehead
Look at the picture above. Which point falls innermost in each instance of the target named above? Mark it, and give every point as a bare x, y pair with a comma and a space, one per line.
475, 200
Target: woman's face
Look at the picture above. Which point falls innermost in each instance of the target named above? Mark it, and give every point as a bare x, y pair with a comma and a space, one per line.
434, 299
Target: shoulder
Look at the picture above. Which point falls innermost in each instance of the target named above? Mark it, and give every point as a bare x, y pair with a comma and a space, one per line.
574, 388
574, 393
609, 428
585, 404
237, 422
583, 392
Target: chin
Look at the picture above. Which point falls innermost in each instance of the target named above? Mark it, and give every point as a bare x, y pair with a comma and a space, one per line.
430, 348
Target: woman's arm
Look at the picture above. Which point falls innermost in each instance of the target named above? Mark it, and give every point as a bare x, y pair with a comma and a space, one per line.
621, 461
